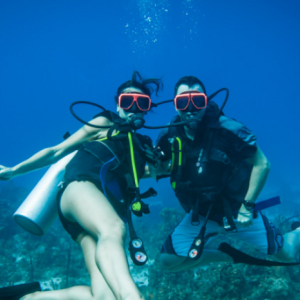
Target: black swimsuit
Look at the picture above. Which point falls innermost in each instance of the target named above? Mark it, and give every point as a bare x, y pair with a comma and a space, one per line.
103, 163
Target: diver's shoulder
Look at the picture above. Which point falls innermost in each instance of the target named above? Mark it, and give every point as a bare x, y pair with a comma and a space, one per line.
237, 129
230, 123
108, 114
101, 121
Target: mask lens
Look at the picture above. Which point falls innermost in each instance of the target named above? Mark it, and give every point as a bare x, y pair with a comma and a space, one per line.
126, 101
199, 101
182, 102
143, 102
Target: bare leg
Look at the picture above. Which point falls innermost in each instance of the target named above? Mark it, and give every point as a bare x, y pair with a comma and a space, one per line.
291, 247
73, 293
98, 290
84, 203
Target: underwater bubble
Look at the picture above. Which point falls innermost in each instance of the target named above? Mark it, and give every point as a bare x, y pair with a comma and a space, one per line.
152, 18
148, 22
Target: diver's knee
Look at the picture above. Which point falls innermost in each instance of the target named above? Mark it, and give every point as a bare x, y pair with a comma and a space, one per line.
291, 247
116, 230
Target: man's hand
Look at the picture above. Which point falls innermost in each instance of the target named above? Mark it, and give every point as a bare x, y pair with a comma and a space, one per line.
150, 153
245, 217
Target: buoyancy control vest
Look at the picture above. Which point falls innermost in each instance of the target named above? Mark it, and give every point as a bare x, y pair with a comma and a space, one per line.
110, 149
117, 162
201, 169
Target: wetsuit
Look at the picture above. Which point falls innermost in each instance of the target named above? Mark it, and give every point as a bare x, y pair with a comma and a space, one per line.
104, 163
232, 144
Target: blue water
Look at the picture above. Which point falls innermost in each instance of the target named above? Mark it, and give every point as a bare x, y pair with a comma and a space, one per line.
55, 52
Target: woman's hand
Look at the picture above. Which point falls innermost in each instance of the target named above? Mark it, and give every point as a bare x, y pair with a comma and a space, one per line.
156, 166
6, 173
245, 217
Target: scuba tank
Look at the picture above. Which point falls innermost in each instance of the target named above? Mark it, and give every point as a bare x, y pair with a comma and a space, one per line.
39, 209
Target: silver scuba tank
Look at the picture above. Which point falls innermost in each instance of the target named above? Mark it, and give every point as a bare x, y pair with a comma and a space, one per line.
39, 209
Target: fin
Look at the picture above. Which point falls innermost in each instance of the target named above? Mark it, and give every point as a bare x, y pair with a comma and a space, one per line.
295, 225
15, 292
240, 257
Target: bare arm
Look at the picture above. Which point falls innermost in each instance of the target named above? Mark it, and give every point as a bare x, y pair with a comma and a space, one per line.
51, 155
259, 174
258, 178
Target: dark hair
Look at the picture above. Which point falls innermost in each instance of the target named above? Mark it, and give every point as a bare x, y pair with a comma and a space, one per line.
189, 81
148, 86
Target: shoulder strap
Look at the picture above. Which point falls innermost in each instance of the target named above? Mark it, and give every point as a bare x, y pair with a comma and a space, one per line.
111, 116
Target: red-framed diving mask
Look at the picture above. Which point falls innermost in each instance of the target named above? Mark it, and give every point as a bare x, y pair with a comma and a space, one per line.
142, 101
182, 101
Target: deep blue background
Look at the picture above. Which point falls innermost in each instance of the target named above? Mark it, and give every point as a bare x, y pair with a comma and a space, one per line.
55, 52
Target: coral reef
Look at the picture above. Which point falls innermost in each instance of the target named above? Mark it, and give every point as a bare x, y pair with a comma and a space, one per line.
56, 261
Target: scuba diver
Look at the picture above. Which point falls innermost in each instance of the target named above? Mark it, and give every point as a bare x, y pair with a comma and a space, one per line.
217, 172
99, 182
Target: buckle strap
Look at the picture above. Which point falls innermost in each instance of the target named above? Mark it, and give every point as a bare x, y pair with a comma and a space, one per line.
197, 246
229, 217
204, 197
139, 208
195, 215
150, 193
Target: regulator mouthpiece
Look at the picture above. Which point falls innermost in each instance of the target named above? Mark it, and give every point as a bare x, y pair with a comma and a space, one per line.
192, 122
136, 122
192, 125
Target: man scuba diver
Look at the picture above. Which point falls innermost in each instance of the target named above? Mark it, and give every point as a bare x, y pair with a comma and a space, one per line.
99, 186
217, 172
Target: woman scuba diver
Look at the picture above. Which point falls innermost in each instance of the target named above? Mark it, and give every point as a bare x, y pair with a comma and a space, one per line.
88, 206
